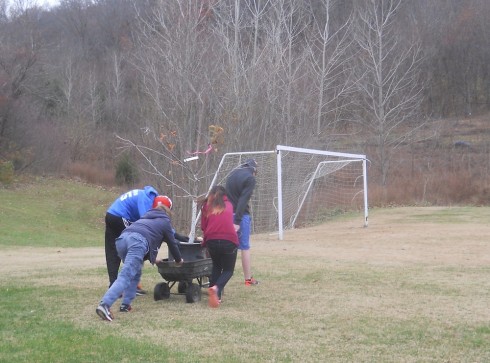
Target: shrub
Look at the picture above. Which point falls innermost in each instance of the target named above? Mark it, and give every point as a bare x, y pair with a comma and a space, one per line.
126, 171
6, 172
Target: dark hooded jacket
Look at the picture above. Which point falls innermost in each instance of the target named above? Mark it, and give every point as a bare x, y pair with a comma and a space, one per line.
156, 227
240, 185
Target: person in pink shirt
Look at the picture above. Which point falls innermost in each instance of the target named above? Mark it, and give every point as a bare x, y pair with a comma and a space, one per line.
220, 239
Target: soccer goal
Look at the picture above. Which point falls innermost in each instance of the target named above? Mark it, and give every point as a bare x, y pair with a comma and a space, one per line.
299, 187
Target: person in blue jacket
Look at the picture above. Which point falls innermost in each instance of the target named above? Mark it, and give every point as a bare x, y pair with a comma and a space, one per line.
137, 243
126, 209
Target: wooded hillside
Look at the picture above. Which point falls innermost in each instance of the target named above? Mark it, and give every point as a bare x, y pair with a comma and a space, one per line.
400, 81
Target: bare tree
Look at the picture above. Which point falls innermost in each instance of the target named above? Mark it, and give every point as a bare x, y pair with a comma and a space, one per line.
3, 11
180, 77
328, 46
264, 44
19, 49
389, 89
462, 71
288, 64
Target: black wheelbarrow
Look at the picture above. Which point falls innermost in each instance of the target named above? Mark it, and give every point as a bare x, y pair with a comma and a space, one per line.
197, 267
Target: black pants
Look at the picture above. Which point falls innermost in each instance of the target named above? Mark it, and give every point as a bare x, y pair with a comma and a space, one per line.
113, 229
224, 254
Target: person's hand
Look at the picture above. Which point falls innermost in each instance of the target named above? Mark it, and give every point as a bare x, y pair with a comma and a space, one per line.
178, 264
237, 227
158, 260
181, 237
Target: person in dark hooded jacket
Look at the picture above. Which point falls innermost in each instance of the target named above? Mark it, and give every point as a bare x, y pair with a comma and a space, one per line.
240, 185
138, 242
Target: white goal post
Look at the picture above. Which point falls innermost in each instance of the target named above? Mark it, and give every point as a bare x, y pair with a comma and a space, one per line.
327, 183
298, 187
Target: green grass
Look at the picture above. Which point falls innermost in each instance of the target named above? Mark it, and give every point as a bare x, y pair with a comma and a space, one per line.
51, 212
312, 305
28, 334
453, 215
442, 215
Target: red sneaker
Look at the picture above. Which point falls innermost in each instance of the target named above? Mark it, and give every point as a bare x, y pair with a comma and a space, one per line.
251, 281
213, 300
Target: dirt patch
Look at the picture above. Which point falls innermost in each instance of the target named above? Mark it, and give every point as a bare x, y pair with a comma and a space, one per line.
386, 241
21, 261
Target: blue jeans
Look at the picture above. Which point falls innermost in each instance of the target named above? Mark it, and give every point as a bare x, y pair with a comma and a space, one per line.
223, 253
131, 248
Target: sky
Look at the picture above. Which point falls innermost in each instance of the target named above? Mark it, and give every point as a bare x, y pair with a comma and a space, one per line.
42, 2
48, 2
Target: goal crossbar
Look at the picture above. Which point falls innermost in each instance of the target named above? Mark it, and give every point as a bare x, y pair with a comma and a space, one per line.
301, 185
281, 149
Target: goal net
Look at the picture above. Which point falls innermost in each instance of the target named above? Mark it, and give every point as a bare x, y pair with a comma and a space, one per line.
298, 187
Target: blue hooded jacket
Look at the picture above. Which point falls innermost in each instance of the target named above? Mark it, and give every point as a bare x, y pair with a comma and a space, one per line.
133, 204
156, 227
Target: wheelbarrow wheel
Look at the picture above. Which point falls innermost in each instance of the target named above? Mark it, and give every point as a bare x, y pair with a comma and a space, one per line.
182, 287
193, 293
161, 291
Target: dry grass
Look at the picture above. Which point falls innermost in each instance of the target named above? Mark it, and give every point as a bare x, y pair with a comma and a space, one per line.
91, 174
435, 170
412, 287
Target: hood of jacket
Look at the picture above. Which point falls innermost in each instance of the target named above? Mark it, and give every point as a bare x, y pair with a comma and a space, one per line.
150, 191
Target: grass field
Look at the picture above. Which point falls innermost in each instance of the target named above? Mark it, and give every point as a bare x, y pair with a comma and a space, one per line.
412, 287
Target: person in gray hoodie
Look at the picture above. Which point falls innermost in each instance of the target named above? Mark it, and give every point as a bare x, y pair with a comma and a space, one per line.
138, 242
240, 185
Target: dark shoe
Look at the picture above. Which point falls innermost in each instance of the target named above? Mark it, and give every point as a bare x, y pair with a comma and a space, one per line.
140, 292
125, 308
104, 312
